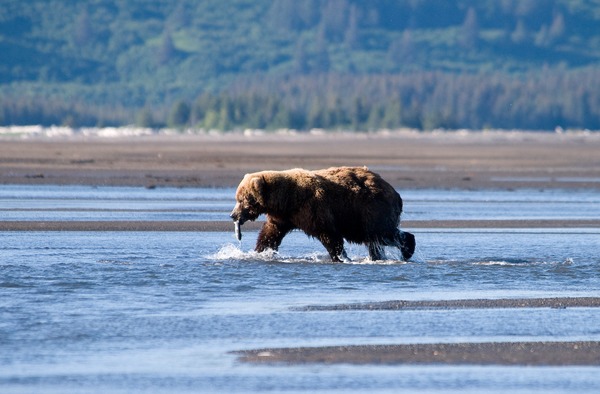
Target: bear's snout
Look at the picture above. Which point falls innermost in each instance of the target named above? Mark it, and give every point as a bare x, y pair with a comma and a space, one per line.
236, 214
239, 214
242, 212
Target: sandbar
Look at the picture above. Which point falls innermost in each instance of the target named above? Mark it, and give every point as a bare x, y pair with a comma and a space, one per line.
543, 353
393, 305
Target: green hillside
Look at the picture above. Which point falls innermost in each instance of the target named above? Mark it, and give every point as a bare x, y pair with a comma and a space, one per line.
301, 63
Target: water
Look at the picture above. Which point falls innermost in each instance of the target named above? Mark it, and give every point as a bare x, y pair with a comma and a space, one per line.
100, 312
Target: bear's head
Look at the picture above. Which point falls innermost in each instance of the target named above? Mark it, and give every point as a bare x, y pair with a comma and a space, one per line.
250, 199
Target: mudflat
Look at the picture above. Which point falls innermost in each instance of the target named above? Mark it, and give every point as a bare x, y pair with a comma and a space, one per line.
407, 159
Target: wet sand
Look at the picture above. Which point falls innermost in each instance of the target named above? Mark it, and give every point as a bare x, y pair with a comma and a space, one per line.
553, 302
199, 226
488, 353
458, 160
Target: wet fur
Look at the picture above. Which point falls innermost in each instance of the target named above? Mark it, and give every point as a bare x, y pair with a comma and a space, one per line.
334, 204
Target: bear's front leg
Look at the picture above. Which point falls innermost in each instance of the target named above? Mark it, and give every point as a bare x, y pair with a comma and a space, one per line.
271, 234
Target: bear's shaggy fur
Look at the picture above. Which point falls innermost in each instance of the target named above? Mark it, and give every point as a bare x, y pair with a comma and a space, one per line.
334, 204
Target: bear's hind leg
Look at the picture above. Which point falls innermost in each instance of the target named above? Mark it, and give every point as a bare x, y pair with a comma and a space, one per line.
376, 251
405, 241
272, 234
335, 247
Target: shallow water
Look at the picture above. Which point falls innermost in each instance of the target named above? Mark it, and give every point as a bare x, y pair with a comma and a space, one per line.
24, 202
159, 311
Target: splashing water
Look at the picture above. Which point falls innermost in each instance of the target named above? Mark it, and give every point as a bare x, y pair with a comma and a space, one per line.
232, 252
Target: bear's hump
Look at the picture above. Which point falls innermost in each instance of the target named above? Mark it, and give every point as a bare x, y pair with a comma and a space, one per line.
357, 179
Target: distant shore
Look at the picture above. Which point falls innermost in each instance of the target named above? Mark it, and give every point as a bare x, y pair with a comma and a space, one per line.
407, 159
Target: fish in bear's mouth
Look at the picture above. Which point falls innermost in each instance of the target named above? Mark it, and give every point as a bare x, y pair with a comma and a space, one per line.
238, 230
239, 218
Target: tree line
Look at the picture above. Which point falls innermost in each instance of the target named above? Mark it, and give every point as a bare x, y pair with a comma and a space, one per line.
305, 64
422, 100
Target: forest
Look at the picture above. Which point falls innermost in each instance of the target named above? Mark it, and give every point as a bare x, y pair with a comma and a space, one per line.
301, 64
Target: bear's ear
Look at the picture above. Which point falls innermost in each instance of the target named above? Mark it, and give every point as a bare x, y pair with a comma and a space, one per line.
258, 183
259, 186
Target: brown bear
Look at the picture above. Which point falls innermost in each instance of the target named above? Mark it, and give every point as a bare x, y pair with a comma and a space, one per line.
334, 204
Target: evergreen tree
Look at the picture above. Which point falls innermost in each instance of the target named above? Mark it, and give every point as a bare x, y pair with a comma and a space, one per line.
469, 37
520, 35
180, 114
351, 35
145, 118
322, 62
83, 32
557, 29
301, 61
179, 18
166, 51
334, 16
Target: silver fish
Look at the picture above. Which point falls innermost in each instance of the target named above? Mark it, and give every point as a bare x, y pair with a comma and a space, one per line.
238, 231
